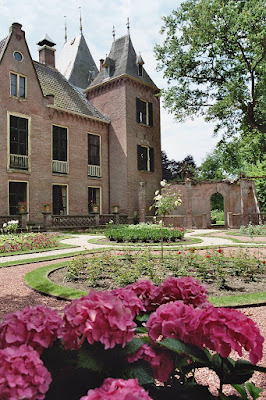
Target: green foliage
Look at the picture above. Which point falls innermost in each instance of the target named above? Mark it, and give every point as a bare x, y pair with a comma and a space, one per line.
214, 55
144, 233
110, 270
253, 230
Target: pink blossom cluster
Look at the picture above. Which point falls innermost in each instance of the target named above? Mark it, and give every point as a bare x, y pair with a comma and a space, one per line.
37, 327
160, 361
22, 374
98, 317
221, 330
118, 389
29, 242
187, 289
144, 289
130, 300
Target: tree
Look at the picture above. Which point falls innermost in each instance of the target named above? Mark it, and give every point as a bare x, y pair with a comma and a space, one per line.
214, 55
212, 167
177, 170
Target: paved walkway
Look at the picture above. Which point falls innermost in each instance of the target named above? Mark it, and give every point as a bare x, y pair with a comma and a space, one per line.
80, 242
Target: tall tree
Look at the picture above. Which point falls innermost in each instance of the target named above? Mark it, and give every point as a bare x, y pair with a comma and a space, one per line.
177, 170
214, 58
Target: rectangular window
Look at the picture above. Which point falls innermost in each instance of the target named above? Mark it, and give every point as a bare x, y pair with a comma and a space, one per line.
59, 200
94, 197
17, 192
18, 142
144, 112
145, 158
17, 85
60, 150
94, 151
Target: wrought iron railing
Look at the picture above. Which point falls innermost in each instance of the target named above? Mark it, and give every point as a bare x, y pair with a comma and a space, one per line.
19, 161
94, 170
61, 167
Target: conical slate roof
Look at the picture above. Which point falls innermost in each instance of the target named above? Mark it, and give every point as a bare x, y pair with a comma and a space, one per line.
122, 60
75, 62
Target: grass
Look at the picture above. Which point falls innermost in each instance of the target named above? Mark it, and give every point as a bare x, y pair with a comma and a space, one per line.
38, 280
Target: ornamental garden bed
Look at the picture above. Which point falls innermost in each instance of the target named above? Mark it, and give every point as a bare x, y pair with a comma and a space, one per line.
236, 274
28, 242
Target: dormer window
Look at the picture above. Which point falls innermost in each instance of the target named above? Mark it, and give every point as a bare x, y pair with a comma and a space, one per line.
106, 71
140, 69
17, 85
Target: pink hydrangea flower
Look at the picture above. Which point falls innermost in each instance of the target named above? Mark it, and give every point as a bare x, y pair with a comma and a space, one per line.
22, 374
160, 361
144, 289
188, 289
218, 329
225, 329
118, 389
34, 326
129, 299
98, 317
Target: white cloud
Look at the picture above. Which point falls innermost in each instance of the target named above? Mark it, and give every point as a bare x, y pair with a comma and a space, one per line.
98, 18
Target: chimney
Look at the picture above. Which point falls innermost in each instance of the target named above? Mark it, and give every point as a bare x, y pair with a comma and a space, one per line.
16, 29
101, 63
46, 51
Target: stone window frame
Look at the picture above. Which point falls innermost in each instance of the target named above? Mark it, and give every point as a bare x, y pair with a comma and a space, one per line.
99, 197
149, 159
67, 196
28, 118
17, 86
144, 118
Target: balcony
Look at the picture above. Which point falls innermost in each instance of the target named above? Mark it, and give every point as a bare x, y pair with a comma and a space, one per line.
19, 161
94, 171
60, 167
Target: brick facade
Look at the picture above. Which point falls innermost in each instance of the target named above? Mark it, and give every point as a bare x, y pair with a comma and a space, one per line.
120, 178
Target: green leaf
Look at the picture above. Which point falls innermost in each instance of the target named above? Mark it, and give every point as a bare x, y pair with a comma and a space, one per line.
89, 360
241, 390
180, 347
132, 346
141, 329
140, 370
253, 390
142, 318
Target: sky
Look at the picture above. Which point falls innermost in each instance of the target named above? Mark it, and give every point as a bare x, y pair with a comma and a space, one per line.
38, 18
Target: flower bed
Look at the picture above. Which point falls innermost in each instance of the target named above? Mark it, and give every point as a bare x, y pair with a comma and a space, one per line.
144, 233
26, 242
95, 351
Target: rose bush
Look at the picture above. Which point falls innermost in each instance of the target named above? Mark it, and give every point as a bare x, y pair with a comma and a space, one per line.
139, 342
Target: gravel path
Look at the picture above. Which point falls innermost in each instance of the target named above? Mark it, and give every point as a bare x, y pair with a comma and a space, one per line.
15, 295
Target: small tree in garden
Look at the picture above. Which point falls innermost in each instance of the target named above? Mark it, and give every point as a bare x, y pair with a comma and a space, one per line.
164, 203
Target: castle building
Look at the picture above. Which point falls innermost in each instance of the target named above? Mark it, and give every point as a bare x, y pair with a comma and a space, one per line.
73, 135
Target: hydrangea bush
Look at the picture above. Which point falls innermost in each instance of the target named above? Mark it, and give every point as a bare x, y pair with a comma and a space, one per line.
139, 342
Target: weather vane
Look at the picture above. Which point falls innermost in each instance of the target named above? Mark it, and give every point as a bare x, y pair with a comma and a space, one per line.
65, 28
80, 20
128, 25
113, 32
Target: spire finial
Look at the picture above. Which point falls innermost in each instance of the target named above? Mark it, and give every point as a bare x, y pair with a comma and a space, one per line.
113, 32
80, 20
65, 28
128, 26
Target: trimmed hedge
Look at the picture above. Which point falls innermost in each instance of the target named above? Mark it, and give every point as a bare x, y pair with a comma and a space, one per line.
144, 233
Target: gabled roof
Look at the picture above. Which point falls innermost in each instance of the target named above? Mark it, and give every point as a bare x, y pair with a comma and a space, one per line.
75, 62
66, 96
123, 60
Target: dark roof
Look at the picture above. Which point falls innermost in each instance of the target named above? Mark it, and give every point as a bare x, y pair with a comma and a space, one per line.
123, 60
66, 96
2, 44
75, 62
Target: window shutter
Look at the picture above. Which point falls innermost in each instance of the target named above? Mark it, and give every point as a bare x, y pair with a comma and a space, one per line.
150, 115
139, 150
138, 105
151, 159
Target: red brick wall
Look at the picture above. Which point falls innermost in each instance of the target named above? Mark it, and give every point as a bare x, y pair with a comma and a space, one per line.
40, 177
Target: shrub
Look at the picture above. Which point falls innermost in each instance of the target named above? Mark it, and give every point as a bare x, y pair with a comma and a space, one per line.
253, 230
144, 233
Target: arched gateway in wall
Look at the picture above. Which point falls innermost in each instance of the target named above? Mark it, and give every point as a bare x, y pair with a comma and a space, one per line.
240, 203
